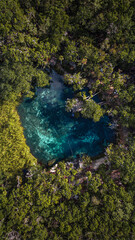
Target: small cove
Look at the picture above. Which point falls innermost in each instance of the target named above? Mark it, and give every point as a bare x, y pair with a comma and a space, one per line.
52, 133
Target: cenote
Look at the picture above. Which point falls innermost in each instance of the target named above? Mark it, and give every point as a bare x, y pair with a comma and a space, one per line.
52, 133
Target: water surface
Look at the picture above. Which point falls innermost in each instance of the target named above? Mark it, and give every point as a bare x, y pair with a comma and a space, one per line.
52, 133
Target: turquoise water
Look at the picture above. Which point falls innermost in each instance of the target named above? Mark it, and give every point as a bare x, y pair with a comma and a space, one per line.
52, 133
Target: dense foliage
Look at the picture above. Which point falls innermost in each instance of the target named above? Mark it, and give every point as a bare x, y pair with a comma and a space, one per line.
56, 206
94, 43
14, 153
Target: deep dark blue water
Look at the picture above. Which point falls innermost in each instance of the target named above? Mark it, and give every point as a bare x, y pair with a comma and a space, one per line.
52, 133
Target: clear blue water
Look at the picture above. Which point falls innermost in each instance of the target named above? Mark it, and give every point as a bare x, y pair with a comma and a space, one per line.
52, 133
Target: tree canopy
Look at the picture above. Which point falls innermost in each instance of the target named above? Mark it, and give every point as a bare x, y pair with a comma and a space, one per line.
92, 42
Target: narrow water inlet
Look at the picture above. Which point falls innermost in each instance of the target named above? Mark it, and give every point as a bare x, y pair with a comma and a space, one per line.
52, 133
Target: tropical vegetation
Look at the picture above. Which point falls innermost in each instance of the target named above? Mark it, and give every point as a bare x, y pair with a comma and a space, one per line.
93, 44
